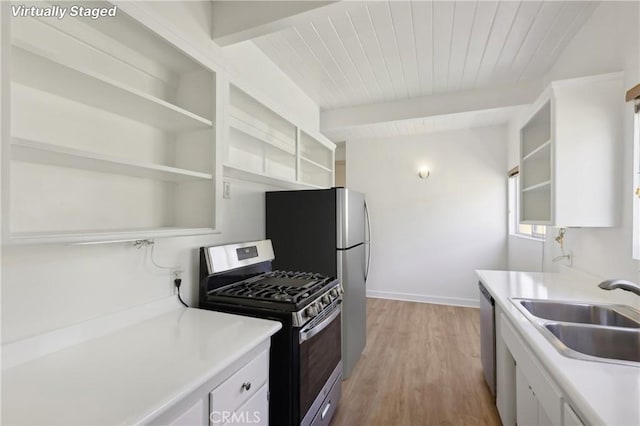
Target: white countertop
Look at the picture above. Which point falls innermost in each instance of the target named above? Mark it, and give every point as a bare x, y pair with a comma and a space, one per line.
603, 393
131, 375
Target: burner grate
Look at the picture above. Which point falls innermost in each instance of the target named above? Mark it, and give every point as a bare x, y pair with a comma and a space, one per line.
278, 286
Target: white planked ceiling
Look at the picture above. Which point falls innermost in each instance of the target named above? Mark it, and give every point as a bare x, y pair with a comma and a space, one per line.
378, 51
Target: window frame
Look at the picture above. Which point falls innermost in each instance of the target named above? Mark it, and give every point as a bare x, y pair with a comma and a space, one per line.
537, 232
636, 181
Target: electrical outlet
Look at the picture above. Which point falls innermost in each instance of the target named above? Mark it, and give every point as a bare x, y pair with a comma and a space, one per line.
226, 190
175, 275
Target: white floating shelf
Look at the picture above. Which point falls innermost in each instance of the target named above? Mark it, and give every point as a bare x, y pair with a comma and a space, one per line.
245, 123
103, 236
316, 165
542, 185
54, 155
539, 152
235, 172
90, 88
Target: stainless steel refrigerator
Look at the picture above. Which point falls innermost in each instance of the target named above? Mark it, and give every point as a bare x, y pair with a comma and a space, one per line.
326, 231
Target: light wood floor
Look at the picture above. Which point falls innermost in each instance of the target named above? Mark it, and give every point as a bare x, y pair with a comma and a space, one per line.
421, 366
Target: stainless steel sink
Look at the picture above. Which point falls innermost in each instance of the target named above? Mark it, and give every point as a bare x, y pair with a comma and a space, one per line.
582, 313
587, 331
602, 342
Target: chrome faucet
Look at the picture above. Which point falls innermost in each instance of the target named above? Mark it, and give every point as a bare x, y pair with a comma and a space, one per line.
623, 284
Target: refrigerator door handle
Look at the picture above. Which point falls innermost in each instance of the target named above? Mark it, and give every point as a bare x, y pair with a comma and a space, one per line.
367, 241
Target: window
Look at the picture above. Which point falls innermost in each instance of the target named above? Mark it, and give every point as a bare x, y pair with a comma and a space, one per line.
633, 95
515, 227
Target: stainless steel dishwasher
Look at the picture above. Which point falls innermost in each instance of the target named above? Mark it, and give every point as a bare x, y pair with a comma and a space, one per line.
488, 337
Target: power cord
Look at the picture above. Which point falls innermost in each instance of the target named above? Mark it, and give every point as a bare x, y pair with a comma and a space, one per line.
178, 283
175, 271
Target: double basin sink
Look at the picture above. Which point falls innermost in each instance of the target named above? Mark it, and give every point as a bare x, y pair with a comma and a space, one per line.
594, 332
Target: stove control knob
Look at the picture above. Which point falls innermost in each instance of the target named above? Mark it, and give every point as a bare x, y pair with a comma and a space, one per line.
326, 299
312, 311
334, 293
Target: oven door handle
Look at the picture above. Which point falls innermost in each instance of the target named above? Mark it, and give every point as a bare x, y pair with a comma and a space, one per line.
308, 333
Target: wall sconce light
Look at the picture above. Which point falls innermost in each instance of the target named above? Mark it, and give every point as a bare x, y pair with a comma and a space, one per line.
423, 172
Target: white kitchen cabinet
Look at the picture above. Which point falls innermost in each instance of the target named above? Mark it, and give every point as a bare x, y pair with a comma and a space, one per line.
240, 396
529, 410
243, 394
526, 401
505, 376
165, 378
570, 148
254, 412
108, 132
538, 399
264, 147
193, 416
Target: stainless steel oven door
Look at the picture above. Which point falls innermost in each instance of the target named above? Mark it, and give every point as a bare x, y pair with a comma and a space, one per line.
320, 354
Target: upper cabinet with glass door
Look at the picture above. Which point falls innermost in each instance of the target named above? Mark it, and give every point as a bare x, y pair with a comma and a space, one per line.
570, 151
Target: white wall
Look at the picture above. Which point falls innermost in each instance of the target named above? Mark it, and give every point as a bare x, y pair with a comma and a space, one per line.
609, 41
341, 151
49, 287
430, 235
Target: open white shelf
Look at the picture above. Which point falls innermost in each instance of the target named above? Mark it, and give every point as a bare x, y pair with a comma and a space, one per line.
264, 147
245, 123
317, 165
537, 186
235, 172
535, 166
53, 155
112, 134
536, 206
93, 89
543, 151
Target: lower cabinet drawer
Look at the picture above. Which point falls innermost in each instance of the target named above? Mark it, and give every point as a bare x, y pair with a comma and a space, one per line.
254, 412
240, 387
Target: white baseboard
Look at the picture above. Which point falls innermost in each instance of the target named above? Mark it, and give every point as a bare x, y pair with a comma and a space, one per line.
19, 352
411, 297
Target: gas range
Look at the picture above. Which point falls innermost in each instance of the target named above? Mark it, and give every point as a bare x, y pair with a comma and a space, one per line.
304, 294
305, 357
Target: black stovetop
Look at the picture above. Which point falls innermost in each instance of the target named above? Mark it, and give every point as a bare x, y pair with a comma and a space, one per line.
280, 290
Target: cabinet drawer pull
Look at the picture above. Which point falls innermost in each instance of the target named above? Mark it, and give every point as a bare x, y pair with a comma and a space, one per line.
246, 386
